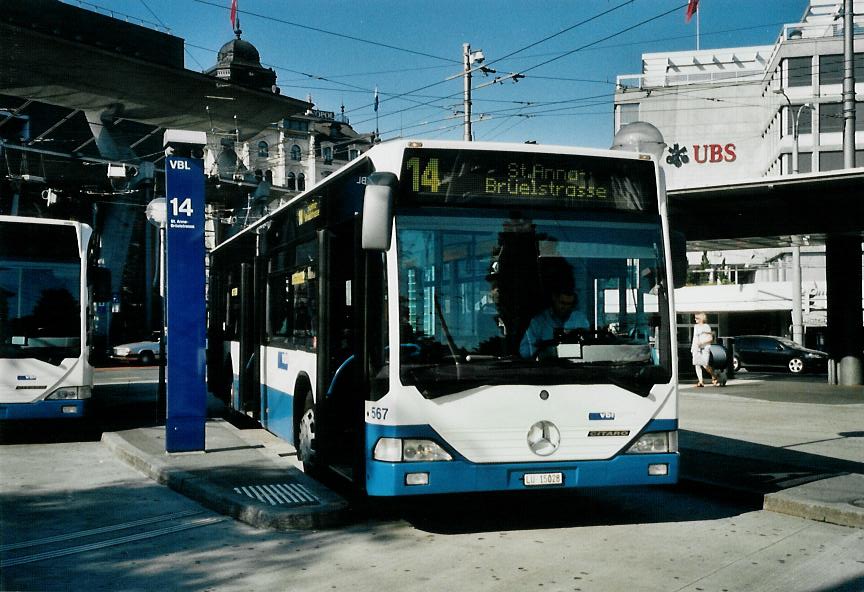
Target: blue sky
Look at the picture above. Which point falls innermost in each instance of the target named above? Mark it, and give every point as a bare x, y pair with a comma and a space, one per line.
339, 51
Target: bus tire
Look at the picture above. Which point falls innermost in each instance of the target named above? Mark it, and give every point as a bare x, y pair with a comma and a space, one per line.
306, 446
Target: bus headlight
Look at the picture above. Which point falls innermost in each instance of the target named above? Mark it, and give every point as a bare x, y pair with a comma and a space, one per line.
409, 450
69, 392
655, 442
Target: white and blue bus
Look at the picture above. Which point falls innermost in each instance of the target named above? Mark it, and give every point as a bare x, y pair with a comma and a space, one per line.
44, 293
378, 320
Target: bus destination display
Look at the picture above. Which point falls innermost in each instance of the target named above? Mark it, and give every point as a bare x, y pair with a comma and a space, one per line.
486, 178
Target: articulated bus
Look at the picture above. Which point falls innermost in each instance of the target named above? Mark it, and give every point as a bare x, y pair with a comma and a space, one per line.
378, 320
44, 293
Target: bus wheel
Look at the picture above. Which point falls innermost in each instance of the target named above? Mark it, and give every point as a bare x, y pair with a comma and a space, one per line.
306, 441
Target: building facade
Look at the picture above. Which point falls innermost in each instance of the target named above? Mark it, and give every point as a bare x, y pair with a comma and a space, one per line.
735, 114
280, 161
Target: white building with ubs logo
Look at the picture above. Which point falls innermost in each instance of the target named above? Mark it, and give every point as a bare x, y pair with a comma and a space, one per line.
729, 115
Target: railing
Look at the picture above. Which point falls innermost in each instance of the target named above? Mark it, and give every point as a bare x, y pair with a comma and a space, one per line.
640, 81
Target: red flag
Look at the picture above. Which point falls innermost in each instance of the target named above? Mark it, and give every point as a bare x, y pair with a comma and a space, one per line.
691, 9
234, 14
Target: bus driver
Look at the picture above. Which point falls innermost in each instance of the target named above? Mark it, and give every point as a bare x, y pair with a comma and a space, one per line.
561, 315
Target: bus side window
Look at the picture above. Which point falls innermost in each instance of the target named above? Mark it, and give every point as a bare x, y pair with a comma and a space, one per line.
232, 311
279, 298
304, 307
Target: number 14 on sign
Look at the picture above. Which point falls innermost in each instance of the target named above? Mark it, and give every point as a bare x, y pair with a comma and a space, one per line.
181, 207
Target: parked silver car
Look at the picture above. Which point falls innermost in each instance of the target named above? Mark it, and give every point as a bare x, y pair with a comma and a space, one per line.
144, 352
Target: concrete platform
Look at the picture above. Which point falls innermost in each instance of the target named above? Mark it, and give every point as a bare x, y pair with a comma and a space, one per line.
237, 475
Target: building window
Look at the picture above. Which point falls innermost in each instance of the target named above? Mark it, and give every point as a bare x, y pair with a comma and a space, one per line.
805, 163
830, 118
799, 71
263, 149
291, 181
296, 125
805, 120
301, 182
353, 153
628, 113
831, 160
295, 152
327, 154
831, 68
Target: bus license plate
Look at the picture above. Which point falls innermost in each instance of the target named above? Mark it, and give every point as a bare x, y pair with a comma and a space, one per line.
534, 479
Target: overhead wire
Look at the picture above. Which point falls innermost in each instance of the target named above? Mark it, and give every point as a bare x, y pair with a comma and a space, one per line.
565, 54
327, 32
431, 104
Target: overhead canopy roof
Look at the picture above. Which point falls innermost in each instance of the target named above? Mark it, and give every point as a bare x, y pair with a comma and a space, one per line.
44, 64
767, 212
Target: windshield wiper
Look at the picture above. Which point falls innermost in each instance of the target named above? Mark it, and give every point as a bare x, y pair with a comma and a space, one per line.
450, 343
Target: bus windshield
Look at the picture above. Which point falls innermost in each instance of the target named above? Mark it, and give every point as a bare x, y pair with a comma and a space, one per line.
529, 297
40, 279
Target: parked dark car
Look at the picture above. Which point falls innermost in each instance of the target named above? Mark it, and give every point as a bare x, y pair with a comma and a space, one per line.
767, 351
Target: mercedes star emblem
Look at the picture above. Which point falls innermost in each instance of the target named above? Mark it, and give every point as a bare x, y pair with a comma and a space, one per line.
544, 438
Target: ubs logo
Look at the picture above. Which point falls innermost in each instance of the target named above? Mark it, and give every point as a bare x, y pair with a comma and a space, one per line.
544, 438
702, 154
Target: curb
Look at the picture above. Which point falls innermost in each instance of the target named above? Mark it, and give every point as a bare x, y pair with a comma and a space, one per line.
332, 512
838, 500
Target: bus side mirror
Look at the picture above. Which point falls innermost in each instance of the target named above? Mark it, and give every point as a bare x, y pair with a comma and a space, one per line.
101, 281
378, 211
679, 259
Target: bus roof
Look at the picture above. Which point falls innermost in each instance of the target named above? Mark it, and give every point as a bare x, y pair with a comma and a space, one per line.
34, 220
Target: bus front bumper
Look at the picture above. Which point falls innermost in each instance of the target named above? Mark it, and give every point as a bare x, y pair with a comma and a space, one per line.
460, 476
62, 409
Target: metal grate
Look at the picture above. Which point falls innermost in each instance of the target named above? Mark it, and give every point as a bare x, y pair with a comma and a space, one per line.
279, 494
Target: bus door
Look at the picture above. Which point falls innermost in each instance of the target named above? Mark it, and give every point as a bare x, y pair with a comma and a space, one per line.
341, 407
249, 390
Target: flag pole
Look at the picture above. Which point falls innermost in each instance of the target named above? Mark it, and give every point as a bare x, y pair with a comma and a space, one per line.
698, 18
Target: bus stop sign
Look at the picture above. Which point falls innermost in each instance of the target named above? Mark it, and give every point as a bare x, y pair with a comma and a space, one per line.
185, 307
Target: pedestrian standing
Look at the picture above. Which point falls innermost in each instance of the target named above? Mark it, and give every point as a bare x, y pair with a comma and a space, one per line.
703, 337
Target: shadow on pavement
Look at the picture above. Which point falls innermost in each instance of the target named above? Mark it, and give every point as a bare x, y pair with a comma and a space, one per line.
497, 512
757, 468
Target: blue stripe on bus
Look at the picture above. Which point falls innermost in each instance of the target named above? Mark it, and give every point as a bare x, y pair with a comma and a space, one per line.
461, 475
44, 409
279, 417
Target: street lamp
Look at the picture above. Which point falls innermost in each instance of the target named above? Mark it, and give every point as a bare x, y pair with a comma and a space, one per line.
797, 116
157, 215
797, 313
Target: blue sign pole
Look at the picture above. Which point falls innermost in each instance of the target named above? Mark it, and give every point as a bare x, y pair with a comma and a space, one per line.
184, 265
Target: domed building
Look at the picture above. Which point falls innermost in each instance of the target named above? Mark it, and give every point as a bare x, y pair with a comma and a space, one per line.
239, 62
258, 173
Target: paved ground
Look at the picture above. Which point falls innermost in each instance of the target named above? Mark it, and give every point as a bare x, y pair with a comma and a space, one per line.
795, 443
